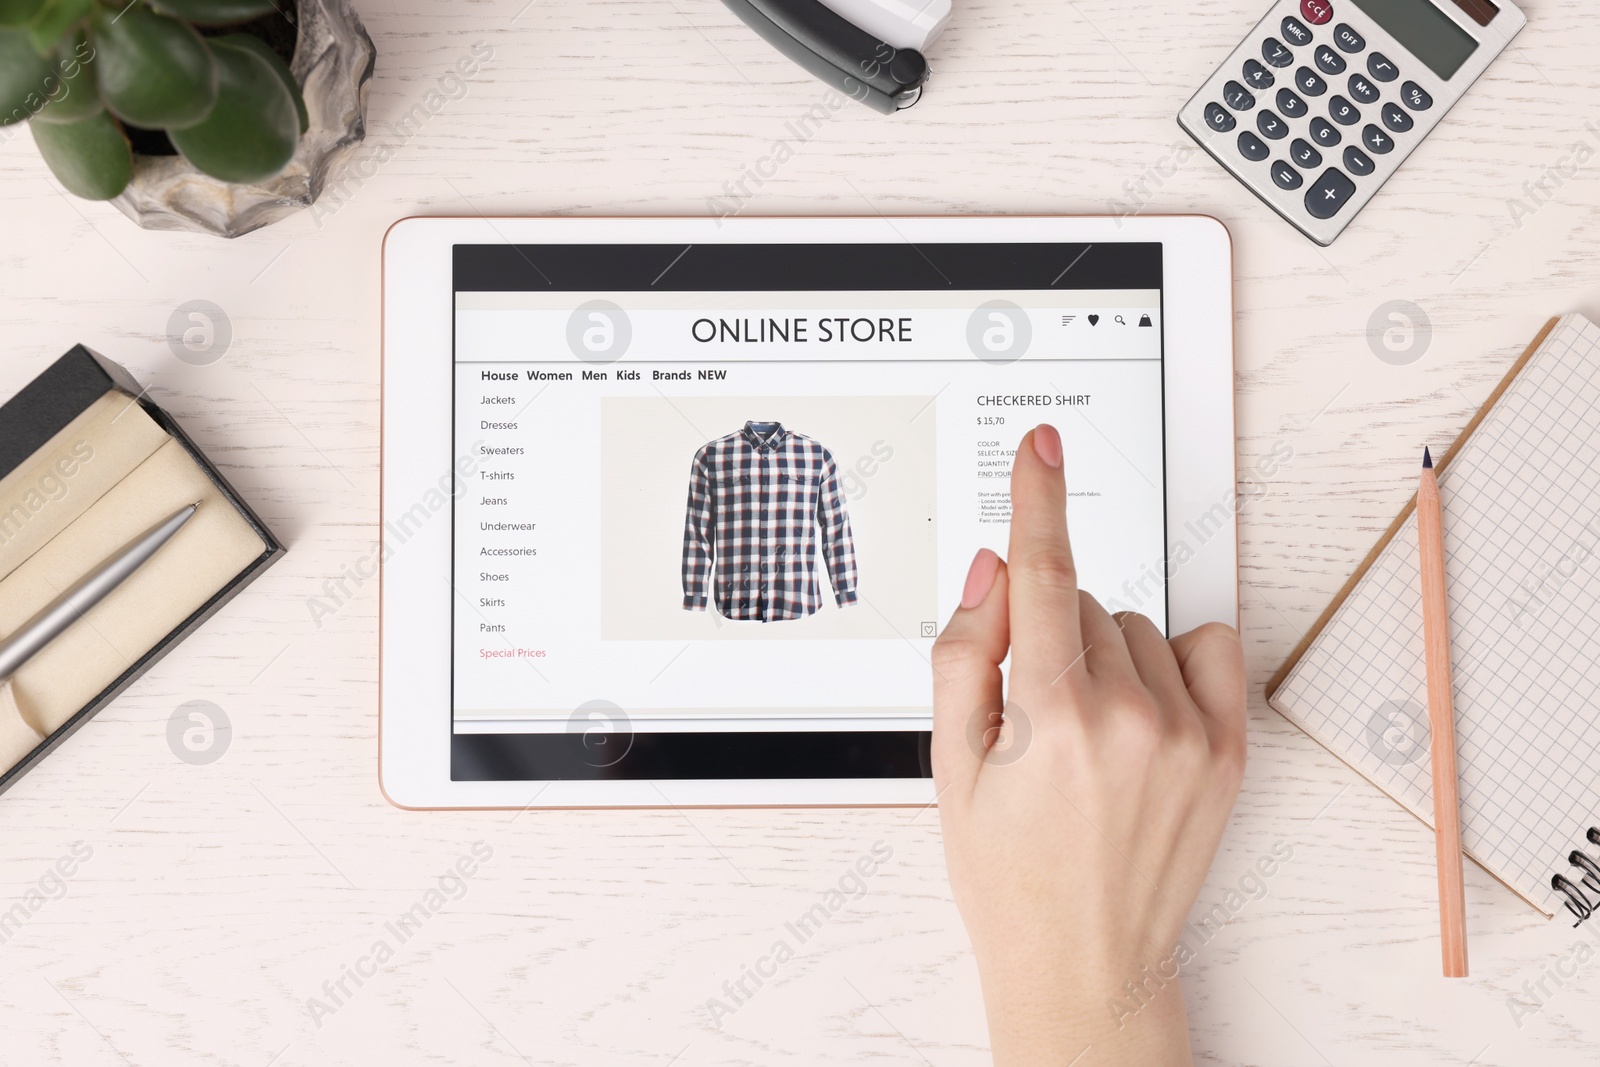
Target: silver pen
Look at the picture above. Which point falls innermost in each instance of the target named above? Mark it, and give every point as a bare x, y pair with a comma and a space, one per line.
88, 591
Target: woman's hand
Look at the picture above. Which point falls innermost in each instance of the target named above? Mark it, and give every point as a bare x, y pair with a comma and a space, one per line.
1080, 824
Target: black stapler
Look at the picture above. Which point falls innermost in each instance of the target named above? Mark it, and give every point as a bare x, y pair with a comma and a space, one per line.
837, 51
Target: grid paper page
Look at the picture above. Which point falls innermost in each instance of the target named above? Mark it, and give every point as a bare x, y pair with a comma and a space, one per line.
1522, 559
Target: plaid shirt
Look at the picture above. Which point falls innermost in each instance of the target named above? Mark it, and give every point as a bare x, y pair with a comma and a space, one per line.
757, 500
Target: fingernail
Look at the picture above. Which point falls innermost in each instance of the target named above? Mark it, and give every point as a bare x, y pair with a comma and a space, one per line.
1047, 443
980, 578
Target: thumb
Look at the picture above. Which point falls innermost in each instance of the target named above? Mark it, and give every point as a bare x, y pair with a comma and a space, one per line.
967, 690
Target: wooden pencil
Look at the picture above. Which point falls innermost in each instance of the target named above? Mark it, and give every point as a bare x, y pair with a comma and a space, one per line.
1442, 724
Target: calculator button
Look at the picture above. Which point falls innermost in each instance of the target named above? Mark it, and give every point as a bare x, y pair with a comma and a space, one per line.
1291, 105
1415, 97
1329, 193
1285, 176
1258, 76
1395, 119
1380, 68
1250, 146
1218, 118
1294, 31
1343, 111
1271, 126
1303, 154
1358, 162
1324, 133
1348, 39
1238, 97
1309, 82
1316, 11
1376, 140
1329, 61
1362, 89
1273, 52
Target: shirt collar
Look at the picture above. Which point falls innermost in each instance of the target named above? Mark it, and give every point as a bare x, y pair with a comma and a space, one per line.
771, 441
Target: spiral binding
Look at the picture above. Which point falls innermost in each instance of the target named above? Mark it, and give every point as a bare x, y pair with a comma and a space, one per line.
1578, 901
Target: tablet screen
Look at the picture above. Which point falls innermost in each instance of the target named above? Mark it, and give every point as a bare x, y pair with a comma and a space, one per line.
713, 503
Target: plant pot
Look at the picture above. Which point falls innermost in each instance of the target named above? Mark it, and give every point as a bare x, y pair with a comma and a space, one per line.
333, 62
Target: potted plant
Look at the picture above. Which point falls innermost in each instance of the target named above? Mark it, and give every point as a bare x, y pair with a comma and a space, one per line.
188, 113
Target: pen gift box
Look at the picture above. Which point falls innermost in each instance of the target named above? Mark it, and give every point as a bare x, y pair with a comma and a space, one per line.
88, 464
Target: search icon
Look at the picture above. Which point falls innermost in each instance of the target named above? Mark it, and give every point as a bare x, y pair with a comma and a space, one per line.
1121, 321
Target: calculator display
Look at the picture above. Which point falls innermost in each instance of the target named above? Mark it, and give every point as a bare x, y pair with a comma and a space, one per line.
1428, 33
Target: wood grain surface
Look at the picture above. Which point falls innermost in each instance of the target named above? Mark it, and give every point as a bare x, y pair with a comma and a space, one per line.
209, 903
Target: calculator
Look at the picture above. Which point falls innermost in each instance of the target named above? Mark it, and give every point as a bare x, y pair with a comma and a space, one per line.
1324, 99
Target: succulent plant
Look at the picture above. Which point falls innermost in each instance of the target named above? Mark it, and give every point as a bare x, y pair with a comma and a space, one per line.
84, 73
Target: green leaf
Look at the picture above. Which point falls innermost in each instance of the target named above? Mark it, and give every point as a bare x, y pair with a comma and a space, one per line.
215, 12
75, 97
279, 67
153, 71
22, 77
252, 132
91, 157
54, 20
18, 12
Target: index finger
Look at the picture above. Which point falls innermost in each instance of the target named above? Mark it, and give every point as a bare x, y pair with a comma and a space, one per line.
1045, 636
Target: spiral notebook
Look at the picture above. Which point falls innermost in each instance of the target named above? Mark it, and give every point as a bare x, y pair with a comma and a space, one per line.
1521, 495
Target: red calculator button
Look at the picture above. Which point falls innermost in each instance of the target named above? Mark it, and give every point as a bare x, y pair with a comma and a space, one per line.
1316, 12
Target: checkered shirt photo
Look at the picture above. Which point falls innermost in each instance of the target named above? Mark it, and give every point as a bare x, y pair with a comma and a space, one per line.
760, 502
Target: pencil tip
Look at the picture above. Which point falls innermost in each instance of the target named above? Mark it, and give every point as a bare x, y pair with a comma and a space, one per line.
1427, 458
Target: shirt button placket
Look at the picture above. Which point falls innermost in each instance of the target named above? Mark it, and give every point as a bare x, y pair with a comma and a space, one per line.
762, 538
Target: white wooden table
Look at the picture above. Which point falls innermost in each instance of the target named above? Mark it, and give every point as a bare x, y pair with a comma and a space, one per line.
218, 899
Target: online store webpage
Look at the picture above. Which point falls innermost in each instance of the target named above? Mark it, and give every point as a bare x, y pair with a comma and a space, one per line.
724, 510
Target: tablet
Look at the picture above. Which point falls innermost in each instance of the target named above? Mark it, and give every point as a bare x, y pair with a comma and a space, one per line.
674, 509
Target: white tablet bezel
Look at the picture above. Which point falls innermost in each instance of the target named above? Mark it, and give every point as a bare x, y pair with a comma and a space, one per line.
418, 299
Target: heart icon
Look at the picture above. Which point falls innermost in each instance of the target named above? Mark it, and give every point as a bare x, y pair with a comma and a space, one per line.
1093, 319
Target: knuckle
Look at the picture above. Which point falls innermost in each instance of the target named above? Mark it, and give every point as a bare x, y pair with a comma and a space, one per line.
1215, 632
1050, 569
949, 650
1133, 620
956, 656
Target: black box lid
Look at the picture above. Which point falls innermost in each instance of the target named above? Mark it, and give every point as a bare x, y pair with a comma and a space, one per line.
61, 392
